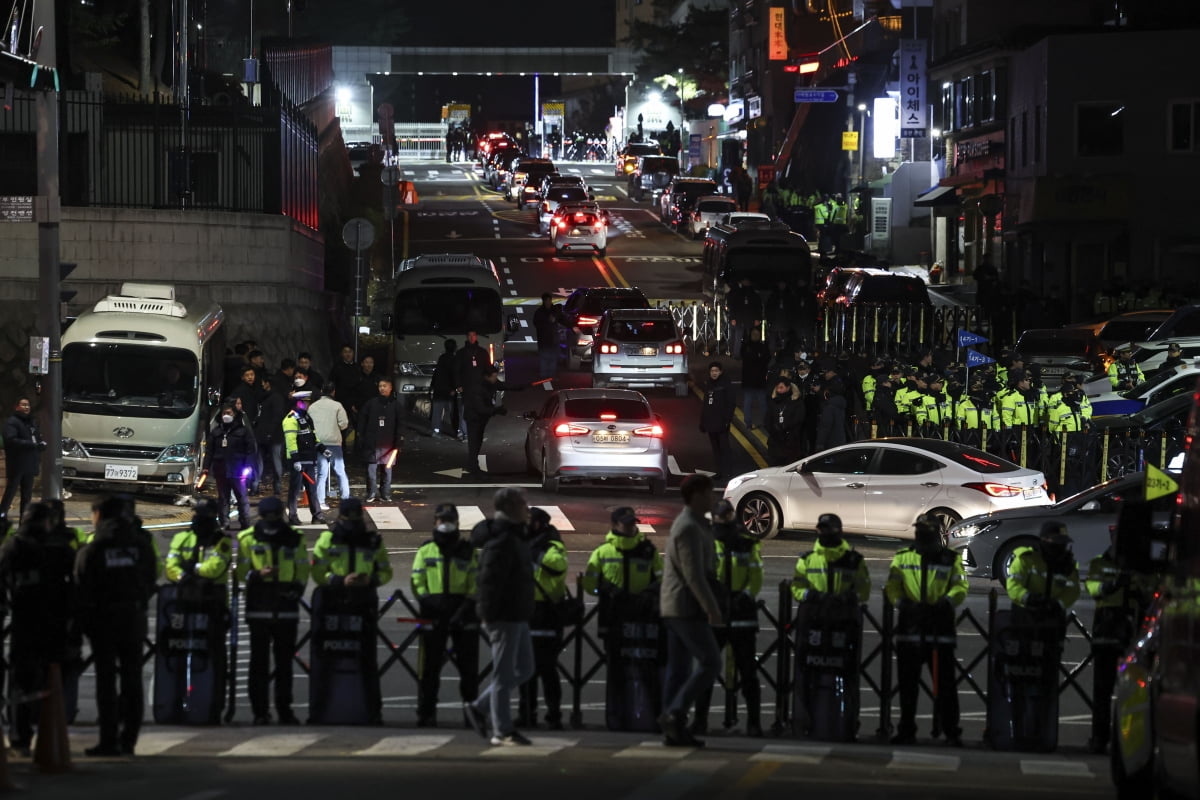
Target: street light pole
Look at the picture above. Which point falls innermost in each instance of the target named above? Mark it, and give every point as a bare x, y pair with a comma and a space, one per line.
682, 120
862, 143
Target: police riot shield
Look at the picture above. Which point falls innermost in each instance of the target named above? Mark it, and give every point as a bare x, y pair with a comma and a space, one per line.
343, 685
189, 654
825, 698
1024, 654
636, 656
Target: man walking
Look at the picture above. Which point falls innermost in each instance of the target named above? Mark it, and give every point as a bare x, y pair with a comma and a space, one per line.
505, 605
548, 321
329, 421
380, 434
689, 610
22, 446
716, 416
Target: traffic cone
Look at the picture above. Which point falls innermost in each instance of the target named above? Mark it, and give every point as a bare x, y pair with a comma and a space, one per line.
52, 754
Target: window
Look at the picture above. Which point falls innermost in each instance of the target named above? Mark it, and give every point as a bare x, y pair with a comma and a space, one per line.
902, 462
642, 330
1100, 129
1184, 127
591, 408
985, 88
852, 462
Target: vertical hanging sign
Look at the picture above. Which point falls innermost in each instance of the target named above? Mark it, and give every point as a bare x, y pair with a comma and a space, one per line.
777, 41
913, 91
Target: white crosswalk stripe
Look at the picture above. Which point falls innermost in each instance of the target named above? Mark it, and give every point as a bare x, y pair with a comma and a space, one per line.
394, 746
388, 518
542, 746
654, 750
792, 754
276, 745
153, 743
1058, 768
909, 760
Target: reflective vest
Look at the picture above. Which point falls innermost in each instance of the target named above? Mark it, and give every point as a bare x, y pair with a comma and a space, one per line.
1121, 371
1062, 418
435, 573
925, 580
932, 409
1120, 597
90, 536
210, 561
868, 389
274, 597
971, 416
1016, 410
740, 575
1027, 578
299, 438
837, 214
550, 572
334, 557
627, 563
906, 399
831, 570
822, 213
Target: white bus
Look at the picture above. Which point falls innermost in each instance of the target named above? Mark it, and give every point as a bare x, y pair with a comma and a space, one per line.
141, 373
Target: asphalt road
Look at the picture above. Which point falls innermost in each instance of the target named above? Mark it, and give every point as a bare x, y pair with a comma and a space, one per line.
458, 213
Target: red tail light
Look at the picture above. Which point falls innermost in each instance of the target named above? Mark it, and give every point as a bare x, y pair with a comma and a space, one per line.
675, 349
567, 429
605, 415
995, 489
653, 431
586, 320
609, 347
599, 226
562, 224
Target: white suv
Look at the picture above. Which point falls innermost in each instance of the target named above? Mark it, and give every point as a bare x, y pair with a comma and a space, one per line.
639, 348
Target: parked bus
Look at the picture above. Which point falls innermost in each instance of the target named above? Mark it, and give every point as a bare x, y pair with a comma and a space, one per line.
765, 253
141, 374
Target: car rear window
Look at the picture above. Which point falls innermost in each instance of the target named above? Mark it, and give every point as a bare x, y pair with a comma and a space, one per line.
1129, 330
693, 189
566, 194
660, 164
642, 330
891, 290
715, 206
580, 218
968, 457
599, 303
599, 407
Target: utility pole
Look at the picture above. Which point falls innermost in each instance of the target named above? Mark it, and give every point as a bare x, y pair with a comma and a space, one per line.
47, 213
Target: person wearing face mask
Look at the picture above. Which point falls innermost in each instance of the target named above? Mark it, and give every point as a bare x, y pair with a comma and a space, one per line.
832, 569
926, 582
975, 415
273, 566
1069, 409
1044, 578
349, 564
443, 581
300, 447
884, 413
784, 423
229, 457
546, 627
188, 678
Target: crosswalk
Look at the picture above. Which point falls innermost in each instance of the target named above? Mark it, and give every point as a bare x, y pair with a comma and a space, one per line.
364, 743
392, 518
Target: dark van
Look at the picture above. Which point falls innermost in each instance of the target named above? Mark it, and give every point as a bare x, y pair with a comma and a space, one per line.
765, 253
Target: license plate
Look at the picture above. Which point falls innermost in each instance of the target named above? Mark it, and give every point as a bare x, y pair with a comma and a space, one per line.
610, 438
576, 232
120, 472
1028, 493
1053, 370
648, 351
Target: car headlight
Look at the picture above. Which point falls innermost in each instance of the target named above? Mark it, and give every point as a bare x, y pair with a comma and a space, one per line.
968, 530
177, 453
71, 447
738, 481
407, 368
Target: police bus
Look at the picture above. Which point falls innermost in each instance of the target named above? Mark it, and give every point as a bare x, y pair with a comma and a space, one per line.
141, 372
763, 252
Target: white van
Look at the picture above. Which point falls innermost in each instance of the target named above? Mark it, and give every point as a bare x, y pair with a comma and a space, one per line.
440, 297
141, 372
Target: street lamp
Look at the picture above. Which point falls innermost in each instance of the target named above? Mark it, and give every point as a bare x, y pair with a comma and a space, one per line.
862, 141
682, 115
934, 133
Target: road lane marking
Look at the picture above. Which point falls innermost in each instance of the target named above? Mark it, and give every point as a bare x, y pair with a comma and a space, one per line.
274, 745
792, 754
906, 759
153, 743
1061, 769
612, 266
389, 518
404, 745
542, 746
654, 750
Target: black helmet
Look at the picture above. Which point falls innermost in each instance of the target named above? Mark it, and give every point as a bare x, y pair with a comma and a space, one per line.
447, 512
539, 516
830, 523
722, 508
1054, 532
351, 508
206, 508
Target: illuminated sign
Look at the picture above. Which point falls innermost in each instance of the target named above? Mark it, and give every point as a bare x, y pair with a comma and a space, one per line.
777, 36
913, 121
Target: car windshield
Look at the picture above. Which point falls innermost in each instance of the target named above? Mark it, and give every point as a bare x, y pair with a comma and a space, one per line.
599, 303
766, 266
660, 164
566, 194
1128, 330
641, 149
135, 380
1150, 384
715, 206
1160, 411
642, 330
600, 407
448, 310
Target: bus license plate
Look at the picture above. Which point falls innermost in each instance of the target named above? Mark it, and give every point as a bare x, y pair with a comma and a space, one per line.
610, 438
120, 472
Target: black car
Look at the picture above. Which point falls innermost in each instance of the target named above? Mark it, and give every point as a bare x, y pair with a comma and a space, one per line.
1156, 433
652, 175
677, 199
583, 309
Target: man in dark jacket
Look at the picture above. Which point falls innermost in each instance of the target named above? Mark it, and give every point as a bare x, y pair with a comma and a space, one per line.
756, 358
268, 434
379, 435
228, 456
831, 426
115, 574
745, 309
480, 406
469, 364
248, 392
444, 398
345, 374
785, 424
716, 416
505, 605
22, 444
366, 388
548, 322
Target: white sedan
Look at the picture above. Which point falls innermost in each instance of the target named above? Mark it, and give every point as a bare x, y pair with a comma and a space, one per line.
707, 211
881, 486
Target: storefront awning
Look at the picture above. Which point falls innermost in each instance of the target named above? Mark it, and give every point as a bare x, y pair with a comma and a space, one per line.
937, 196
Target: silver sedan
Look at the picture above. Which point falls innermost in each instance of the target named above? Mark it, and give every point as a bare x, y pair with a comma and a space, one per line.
605, 436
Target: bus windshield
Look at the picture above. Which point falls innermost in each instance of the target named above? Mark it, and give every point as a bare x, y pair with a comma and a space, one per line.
134, 380
448, 311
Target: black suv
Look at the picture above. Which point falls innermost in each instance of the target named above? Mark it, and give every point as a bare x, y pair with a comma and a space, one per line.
652, 175
583, 309
677, 198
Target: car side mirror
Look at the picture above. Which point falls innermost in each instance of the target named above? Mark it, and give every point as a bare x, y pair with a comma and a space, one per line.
591, 195
387, 323
1090, 505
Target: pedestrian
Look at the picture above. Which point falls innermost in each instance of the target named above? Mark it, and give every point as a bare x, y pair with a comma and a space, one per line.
831, 425
345, 374
229, 457
300, 447
469, 363
304, 365
784, 423
781, 312
443, 582
744, 308
690, 611
268, 437
743, 187
715, 418
480, 406
884, 413
37, 570
444, 400
546, 626
926, 582
115, 574
548, 323
379, 436
258, 362
756, 358
22, 446
366, 388
505, 605
739, 580
284, 381
330, 420
248, 392
273, 566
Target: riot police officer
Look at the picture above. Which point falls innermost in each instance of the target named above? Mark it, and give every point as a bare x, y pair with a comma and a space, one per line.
833, 568
202, 552
1044, 579
546, 627
300, 446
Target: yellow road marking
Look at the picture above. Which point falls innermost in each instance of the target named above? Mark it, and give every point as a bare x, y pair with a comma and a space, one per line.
612, 266
755, 456
603, 270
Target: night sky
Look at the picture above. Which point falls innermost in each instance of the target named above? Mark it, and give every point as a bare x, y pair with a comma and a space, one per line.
529, 23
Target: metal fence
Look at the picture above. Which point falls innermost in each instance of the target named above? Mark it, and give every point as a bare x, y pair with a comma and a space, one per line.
421, 140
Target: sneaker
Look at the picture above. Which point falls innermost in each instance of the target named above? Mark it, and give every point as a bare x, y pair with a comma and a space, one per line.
671, 728
261, 719
514, 739
374, 498
387, 498
293, 519
475, 719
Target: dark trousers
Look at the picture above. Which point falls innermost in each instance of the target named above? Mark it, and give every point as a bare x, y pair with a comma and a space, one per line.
117, 653
28, 677
546, 645
910, 657
475, 429
720, 450
1104, 678
743, 642
267, 637
693, 663
237, 486
17, 480
298, 482
433, 658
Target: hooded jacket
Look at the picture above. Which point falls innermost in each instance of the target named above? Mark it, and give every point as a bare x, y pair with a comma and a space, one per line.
785, 426
835, 570
505, 578
719, 405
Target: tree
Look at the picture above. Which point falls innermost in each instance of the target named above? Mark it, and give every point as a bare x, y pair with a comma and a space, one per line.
372, 22
699, 45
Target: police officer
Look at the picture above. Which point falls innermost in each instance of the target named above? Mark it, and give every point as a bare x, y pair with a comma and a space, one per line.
72, 664
37, 575
910, 395
115, 574
877, 372
352, 562
926, 582
1174, 358
975, 414
739, 580
1125, 373
443, 581
203, 552
546, 628
1044, 579
832, 569
273, 565
887, 418
931, 408
624, 571
300, 447
1068, 414
229, 455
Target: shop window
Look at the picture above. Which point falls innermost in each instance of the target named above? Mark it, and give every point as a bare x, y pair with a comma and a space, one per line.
1100, 129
